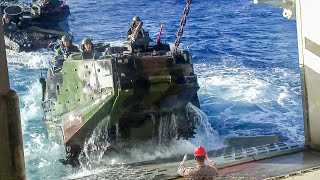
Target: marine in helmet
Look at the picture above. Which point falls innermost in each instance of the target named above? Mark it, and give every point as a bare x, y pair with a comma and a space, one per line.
67, 47
8, 25
88, 51
201, 171
134, 27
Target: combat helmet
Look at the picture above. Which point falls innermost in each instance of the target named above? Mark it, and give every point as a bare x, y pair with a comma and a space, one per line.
65, 38
136, 18
86, 41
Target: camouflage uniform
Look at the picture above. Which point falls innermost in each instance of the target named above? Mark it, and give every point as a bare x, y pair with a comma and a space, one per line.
66, 51
132, 29
204, 172
90, 55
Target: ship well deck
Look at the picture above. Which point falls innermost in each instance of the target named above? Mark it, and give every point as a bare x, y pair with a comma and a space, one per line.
298, 163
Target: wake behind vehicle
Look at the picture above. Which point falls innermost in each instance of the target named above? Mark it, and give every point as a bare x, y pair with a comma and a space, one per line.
36, 25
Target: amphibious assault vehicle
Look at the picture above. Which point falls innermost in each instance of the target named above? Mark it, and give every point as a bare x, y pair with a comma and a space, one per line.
36, 25
140, 89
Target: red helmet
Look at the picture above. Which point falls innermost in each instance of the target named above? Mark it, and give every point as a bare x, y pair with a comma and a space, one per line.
199, 151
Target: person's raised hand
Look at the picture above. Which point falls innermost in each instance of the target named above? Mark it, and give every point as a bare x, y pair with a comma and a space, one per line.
185, 157
207, 157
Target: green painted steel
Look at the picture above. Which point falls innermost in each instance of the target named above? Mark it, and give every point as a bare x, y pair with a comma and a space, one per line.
136, 87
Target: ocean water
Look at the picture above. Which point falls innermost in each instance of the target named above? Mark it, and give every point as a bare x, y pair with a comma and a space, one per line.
245, 57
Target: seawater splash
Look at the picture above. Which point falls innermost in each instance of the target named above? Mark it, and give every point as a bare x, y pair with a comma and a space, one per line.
95, 147
167, 128
205, 135
32, 60
30, 104
98, 161
40, 153
95, 153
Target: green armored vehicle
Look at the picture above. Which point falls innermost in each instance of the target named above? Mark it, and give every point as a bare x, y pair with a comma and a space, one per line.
139, 89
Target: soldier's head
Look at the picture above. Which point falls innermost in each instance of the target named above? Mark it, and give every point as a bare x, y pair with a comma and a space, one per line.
6, 19
86, 45
199, 154
136, 20
66, 41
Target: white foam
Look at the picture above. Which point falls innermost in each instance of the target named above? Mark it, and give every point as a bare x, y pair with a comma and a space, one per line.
32, 60
30, 104
234, 95
40, 153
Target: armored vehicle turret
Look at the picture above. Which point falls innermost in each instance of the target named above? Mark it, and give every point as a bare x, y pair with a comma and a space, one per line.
139, 89
34, 26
